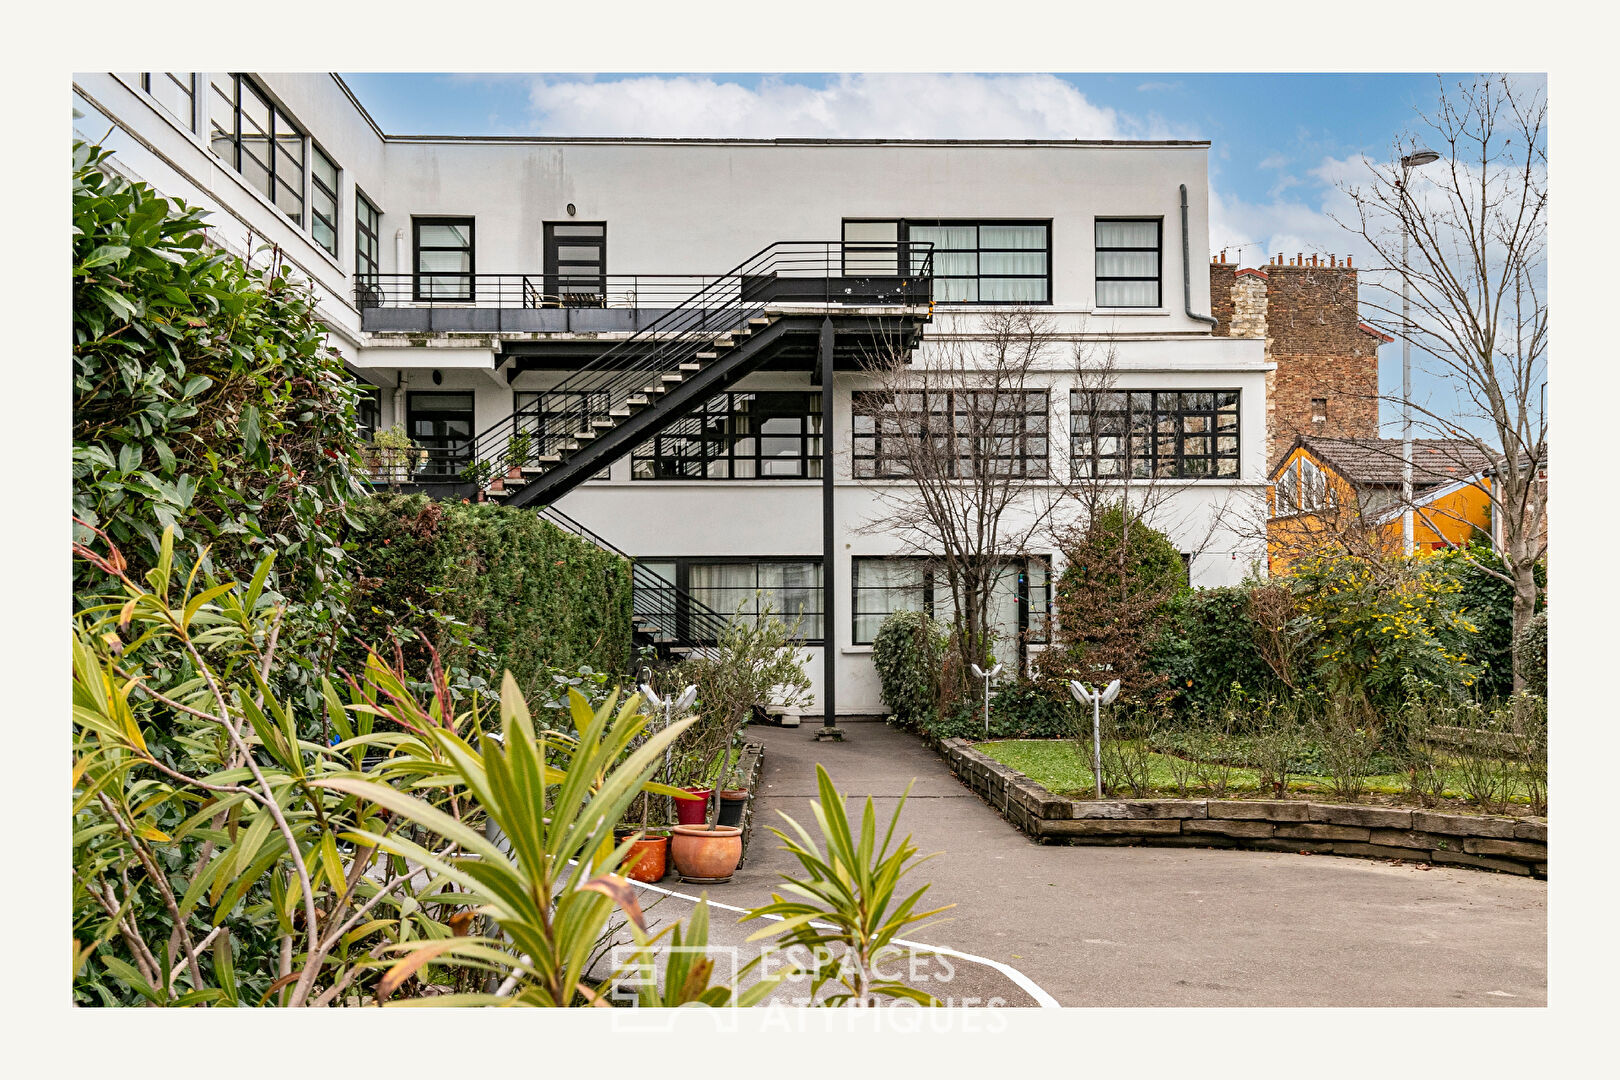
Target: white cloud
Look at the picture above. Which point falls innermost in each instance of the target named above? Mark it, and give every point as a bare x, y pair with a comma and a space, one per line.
1274, 161
847, 106
1149, 87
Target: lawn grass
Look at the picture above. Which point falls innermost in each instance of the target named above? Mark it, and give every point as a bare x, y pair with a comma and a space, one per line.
1060, 767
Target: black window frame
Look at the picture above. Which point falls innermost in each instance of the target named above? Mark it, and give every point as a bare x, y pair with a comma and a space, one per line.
1094, 424
189, 88
694, 428
903, 237
273, 140
367, 240
442, 462
866, 446
559, 272
317, 188
683, 590
417, 273
1034, 616
1098, 277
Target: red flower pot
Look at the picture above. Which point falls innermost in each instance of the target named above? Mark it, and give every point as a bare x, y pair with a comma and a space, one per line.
693, 811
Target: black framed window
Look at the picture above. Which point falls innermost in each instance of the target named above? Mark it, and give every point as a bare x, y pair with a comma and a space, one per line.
1129, 262
367, 240
1020, 602
1003, 432
734, 588
323, 200
750, 435
1187, 435
258, 140
368, 412
575, 263
975, 261
442, 424
445, 257
172, 90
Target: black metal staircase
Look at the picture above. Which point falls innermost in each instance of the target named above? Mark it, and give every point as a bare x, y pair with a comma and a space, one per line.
729, 327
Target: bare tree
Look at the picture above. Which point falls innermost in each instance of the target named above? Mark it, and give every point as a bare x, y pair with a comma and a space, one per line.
968, 426
1476, 222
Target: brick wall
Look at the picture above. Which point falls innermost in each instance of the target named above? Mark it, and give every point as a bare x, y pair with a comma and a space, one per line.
1310, 321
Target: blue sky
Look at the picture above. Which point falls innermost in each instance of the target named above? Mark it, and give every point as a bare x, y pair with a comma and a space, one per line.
1281, 143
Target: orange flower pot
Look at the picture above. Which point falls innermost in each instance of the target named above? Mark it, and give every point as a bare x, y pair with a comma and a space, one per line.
704, 855
648, 859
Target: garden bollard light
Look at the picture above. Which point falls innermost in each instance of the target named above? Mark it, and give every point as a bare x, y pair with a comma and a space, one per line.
980, 673
1097, 699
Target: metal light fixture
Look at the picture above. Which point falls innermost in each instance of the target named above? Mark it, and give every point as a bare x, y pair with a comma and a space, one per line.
1096, 699
1420, 156
671, 708
980, 673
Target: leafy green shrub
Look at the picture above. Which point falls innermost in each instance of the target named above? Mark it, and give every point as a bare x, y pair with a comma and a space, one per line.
1113, 602
205, 397
1220, 633
1533, 645
533, 596
908, 653
1487, 603
1027, 709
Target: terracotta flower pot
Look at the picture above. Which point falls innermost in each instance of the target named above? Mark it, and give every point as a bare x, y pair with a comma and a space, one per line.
693, 811
513, 472
731, 806
648, 859
706, 856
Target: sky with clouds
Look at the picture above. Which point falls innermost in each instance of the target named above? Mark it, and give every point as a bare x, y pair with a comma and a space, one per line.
1281, 144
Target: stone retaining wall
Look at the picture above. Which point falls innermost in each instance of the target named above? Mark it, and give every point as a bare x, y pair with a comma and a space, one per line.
1509, 845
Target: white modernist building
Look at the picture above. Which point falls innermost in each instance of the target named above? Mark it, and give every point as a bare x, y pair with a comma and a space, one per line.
651, 317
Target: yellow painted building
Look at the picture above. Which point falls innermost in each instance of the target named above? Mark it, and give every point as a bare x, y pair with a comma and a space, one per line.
1345, 494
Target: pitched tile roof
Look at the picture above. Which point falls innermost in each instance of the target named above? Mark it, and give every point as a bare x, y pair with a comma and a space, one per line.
1377, 462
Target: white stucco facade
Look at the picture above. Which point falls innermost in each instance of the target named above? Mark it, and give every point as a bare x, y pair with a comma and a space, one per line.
678, 207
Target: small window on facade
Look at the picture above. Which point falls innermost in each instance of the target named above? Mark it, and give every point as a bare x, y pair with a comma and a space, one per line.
173, 91
1128, 263
1288, 490
323, 200
367, 241
1318, 410
259, 141
444, 258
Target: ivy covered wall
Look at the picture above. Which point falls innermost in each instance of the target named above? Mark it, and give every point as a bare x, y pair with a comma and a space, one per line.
503, 580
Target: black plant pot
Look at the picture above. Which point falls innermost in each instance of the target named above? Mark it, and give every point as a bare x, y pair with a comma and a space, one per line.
731, 808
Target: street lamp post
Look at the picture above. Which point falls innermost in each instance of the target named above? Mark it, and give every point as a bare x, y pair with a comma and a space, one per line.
1420, 156
980, 673
1097, 698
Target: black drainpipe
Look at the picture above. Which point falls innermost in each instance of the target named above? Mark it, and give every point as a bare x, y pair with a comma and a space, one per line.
1186, 267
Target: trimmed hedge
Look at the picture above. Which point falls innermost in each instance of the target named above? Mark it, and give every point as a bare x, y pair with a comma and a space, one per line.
532, 595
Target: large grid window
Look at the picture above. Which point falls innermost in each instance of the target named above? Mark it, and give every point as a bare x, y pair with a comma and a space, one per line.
735, 589
173, 91
1128, 263
753, 435
975, 262
444, 258
1002, 433
1187, 435
367, 240
259, 141
323, 200
1020, 602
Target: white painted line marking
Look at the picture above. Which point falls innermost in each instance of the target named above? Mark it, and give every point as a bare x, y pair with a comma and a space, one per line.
1024, 982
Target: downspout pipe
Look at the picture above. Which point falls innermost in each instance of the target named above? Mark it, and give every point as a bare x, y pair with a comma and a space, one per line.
1186, 267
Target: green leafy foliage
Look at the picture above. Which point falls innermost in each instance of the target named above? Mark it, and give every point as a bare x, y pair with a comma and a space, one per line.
1533, 643
909, 653
1487, 603
206, 399
532, 597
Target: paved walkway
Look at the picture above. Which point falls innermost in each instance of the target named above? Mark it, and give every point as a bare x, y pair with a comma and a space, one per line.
1156, 926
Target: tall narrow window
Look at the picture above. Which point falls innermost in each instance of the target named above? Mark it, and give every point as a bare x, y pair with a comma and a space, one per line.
367, 241
444, 258
259, 141
323, 200
173, 91
1128, 263
1318, 410
575, 263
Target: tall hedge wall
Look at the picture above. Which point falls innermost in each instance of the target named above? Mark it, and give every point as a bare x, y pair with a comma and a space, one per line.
530, 593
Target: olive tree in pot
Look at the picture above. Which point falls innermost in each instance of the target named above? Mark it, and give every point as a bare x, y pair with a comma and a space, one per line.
756, 661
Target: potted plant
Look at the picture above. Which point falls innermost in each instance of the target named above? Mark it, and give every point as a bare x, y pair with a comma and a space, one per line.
648, 859
392, 457
517, 455
755, 661
477, 473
